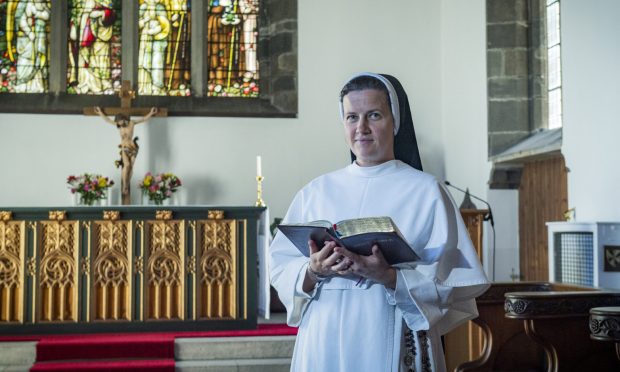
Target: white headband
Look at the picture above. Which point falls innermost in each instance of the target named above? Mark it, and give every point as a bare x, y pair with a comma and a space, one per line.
391, 92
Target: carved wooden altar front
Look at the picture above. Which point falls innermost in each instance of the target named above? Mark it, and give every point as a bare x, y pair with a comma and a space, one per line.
127, 269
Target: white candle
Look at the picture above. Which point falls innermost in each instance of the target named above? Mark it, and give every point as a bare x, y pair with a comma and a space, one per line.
259, 168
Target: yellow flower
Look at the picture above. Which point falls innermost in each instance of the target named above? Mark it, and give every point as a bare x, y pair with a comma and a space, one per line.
148, 180
102, 182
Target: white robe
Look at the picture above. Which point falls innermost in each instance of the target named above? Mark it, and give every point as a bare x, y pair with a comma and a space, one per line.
345, 326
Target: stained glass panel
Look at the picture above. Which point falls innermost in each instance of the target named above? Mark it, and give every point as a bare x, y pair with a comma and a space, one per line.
94, 47
24, 46
232, 56
164, 48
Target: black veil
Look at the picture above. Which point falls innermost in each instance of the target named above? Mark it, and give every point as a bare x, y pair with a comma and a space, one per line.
405, 143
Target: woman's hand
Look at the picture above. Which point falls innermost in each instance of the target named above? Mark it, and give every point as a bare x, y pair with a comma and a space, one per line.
324, 262
373, 267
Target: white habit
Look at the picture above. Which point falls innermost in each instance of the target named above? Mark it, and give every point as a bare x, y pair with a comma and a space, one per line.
349, 326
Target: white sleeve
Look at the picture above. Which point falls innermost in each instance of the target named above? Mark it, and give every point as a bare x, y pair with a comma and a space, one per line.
440, 291
288, 269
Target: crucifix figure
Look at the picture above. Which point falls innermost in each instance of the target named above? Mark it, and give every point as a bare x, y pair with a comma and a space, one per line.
129, 144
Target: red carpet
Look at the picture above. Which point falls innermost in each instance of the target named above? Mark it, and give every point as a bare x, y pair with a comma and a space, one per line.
132, 351
153, 365
262, 330
156, 346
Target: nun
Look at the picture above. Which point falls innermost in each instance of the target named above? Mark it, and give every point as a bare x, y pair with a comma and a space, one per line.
358, 313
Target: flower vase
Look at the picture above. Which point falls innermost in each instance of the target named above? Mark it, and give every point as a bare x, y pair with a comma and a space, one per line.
148, 201
80, 201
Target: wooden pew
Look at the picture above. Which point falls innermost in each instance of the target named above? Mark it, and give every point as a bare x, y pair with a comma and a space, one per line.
506, 346
605, 325
558, 322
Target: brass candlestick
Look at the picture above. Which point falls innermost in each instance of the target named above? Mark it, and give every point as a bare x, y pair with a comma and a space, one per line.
259, 191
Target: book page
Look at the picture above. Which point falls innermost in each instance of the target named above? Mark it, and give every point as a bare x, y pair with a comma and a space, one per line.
318, 223
365, 225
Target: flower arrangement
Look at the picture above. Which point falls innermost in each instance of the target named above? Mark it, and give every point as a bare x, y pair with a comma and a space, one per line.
159, 187
89, 187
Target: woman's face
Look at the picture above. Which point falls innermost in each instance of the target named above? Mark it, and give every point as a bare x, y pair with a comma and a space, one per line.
369, 126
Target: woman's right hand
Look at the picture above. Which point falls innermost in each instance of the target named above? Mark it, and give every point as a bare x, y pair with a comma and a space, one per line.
325, 261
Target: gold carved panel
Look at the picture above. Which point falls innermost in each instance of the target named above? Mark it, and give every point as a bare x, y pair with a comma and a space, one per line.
164, 271
111, 284
80, 269
12, 250
216, 288
58, 271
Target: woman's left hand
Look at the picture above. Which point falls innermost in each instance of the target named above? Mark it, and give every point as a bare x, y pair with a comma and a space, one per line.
373, 267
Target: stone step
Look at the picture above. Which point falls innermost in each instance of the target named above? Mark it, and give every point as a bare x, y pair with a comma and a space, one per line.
236, 365
4, 368
233, 348
19, 356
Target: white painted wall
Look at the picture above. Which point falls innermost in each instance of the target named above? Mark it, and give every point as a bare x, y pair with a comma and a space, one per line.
464, 97
590, 84
505, 204
436, 48
464, 126
215, 157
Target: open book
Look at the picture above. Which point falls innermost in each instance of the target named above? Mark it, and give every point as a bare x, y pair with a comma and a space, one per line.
357, 235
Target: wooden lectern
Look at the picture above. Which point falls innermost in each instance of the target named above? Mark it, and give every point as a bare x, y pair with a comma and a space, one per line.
465, 342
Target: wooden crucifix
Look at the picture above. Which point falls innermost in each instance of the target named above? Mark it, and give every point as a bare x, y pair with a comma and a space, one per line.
122, 120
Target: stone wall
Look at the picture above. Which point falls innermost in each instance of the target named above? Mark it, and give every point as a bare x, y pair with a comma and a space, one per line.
278, 53
516, 71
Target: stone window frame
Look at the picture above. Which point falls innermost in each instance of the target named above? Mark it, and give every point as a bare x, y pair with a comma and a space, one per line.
516, 71
518, 89
277, 53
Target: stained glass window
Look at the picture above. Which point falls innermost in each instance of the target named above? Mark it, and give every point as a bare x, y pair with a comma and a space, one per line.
232, 59
164, 48
70, 52
94, 47
24, 46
